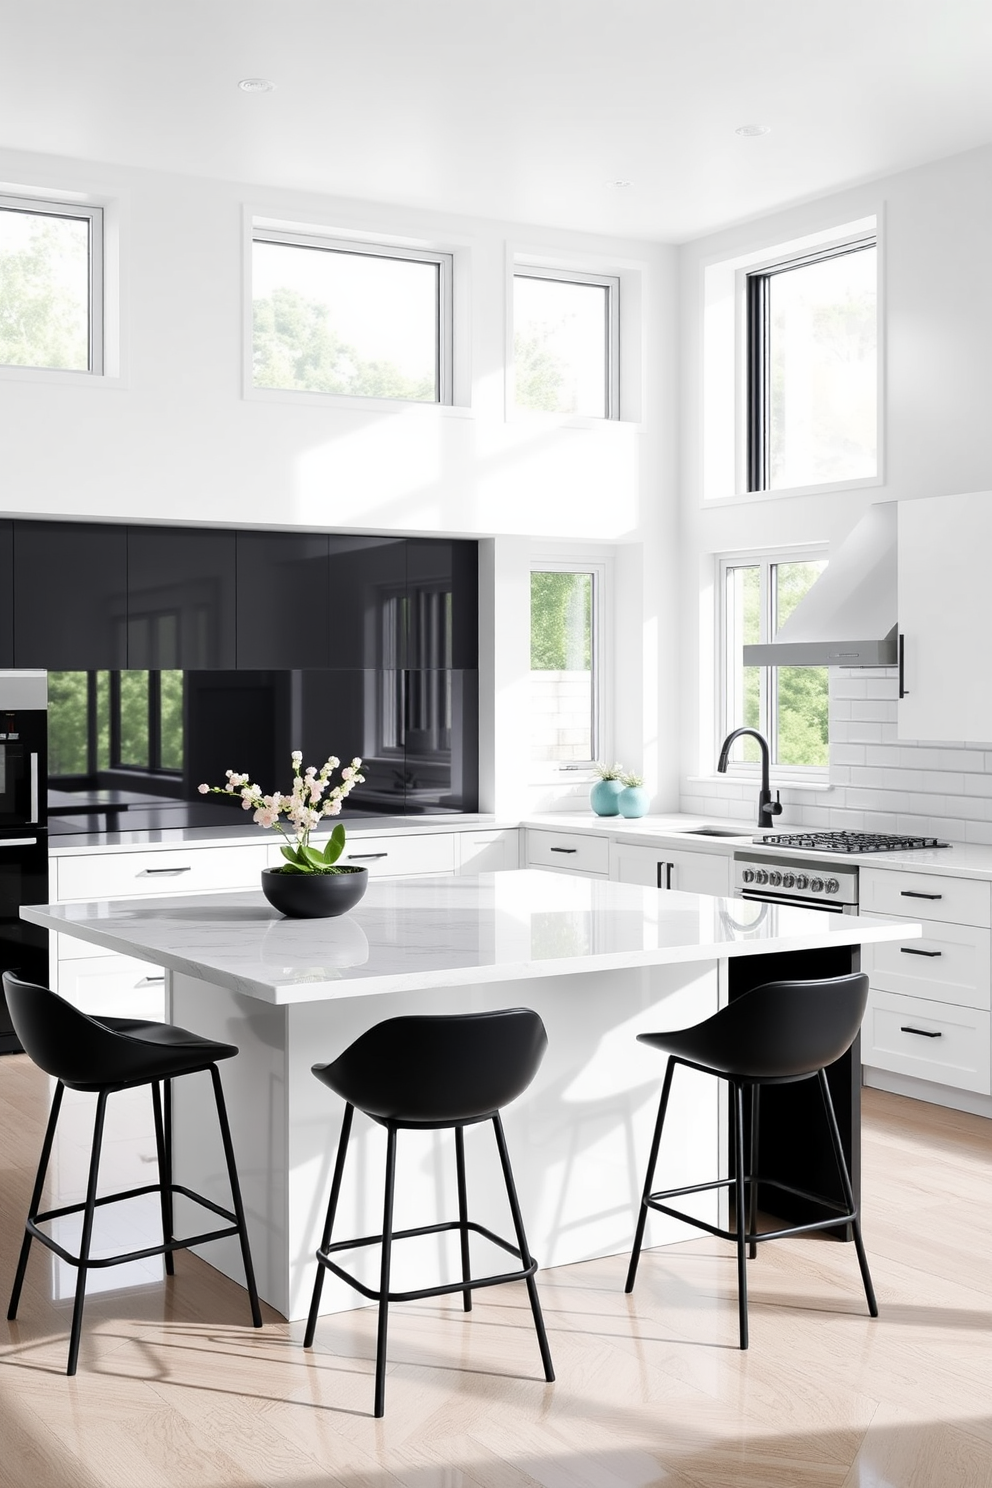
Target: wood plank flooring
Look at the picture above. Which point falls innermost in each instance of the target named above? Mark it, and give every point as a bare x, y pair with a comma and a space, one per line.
175, 1388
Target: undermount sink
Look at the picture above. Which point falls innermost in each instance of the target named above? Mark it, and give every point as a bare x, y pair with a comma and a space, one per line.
714, 832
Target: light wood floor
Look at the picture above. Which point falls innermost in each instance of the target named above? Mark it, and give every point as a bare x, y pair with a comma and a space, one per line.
176, 1389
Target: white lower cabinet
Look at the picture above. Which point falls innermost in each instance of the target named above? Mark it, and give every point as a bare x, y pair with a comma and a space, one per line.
929, 1005
488, 851
568, 852
117, 986
671, 868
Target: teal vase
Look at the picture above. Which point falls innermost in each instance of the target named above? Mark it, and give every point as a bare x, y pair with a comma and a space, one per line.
633, 800
604, 796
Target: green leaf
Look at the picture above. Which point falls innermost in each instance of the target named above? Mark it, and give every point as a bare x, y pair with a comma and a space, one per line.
335, 845
291, 854
311, 857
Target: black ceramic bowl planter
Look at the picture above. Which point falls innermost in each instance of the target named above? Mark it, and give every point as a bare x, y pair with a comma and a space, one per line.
314, 896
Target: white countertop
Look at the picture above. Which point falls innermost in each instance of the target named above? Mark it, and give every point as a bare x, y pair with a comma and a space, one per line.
960, 860
426, 932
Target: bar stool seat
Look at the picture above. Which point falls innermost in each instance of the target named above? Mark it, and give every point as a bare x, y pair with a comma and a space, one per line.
775, 1034
433, 1072
103, 1056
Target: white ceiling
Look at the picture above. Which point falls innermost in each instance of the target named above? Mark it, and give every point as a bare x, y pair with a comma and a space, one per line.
516, 109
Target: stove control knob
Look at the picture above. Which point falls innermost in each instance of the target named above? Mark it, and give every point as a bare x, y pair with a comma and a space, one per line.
802, 882
748, 875
761, 876
788, 880
775, 878
816, 885
832, 885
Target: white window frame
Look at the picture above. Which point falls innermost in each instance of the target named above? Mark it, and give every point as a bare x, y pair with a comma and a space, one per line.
45, 206
609, 282
444, 262
541, 772
765, 560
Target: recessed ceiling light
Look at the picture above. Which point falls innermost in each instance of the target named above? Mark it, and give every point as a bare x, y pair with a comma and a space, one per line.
751, 131
619, 184
256, 85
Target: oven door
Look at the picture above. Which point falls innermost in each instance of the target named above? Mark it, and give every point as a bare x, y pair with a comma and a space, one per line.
20, 784
826, 906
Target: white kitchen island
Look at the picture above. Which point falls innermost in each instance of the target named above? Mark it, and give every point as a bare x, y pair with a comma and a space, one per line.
600, 961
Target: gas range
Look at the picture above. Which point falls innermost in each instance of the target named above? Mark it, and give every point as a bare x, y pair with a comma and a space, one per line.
848, 842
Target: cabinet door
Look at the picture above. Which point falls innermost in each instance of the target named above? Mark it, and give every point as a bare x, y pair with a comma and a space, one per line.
283, 600
943, 611
181, 598
366, 602
70, 596
488, 851
668, 868
6, 594
442, 617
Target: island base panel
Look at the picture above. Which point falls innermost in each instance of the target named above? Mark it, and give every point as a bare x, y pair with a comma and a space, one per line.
578, 1138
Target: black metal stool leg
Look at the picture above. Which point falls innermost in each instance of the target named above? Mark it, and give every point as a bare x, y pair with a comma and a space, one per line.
325, 1239
238, 1205
741, 1210
164, 1180
463, 1213
845, 1179
752, 1208
387, 1250
87, 1233
525, 1255
35, 1204
635, 1253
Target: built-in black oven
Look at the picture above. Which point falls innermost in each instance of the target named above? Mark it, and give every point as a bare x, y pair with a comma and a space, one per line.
23, 830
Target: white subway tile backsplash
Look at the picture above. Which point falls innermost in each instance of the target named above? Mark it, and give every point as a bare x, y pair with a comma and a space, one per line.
864, 733
846, 754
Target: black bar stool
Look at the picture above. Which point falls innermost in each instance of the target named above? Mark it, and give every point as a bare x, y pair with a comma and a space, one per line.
103, 1055
429, 1073
775, 1034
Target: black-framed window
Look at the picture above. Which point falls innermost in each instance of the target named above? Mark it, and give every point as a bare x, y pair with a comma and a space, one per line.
105, 722
812, 368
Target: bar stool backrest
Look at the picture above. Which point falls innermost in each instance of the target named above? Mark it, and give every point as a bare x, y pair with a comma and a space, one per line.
78, 1050
784, 1030
439, 1069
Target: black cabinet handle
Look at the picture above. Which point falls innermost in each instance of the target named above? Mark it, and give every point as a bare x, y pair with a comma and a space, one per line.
565, 849
923, 1032
912, 951
915, 894
165, 872
368, 855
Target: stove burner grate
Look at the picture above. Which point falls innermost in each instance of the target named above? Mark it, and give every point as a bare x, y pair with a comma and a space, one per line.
848, 842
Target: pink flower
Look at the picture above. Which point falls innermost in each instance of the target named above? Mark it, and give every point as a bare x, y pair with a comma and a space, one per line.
203, 789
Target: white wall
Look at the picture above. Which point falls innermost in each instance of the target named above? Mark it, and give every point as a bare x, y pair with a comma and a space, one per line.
936, 228
171, 436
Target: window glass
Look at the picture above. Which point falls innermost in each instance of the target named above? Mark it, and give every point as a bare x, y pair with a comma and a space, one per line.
814, 350
789, 705
562, 333
46, 299
332, 321
563, 712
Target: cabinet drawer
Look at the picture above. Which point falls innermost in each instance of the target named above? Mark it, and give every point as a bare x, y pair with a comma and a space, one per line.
116, 986
484, 852
965, 901
929, 1040
951, 963
434, 852
172, 871
570, 851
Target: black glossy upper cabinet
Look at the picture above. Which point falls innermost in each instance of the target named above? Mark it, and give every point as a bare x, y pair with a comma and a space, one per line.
181, 598
6, 594
70, 595
442, 625
368, 602
283, 601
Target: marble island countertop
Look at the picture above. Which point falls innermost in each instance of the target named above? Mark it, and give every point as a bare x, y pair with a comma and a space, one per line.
447, 931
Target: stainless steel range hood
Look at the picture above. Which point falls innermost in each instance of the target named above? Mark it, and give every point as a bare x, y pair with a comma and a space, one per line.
848, 618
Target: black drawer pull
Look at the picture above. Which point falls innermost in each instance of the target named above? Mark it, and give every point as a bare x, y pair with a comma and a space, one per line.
912, 951
368, 855
915, 894
923, 1032
565, 849
166, 872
